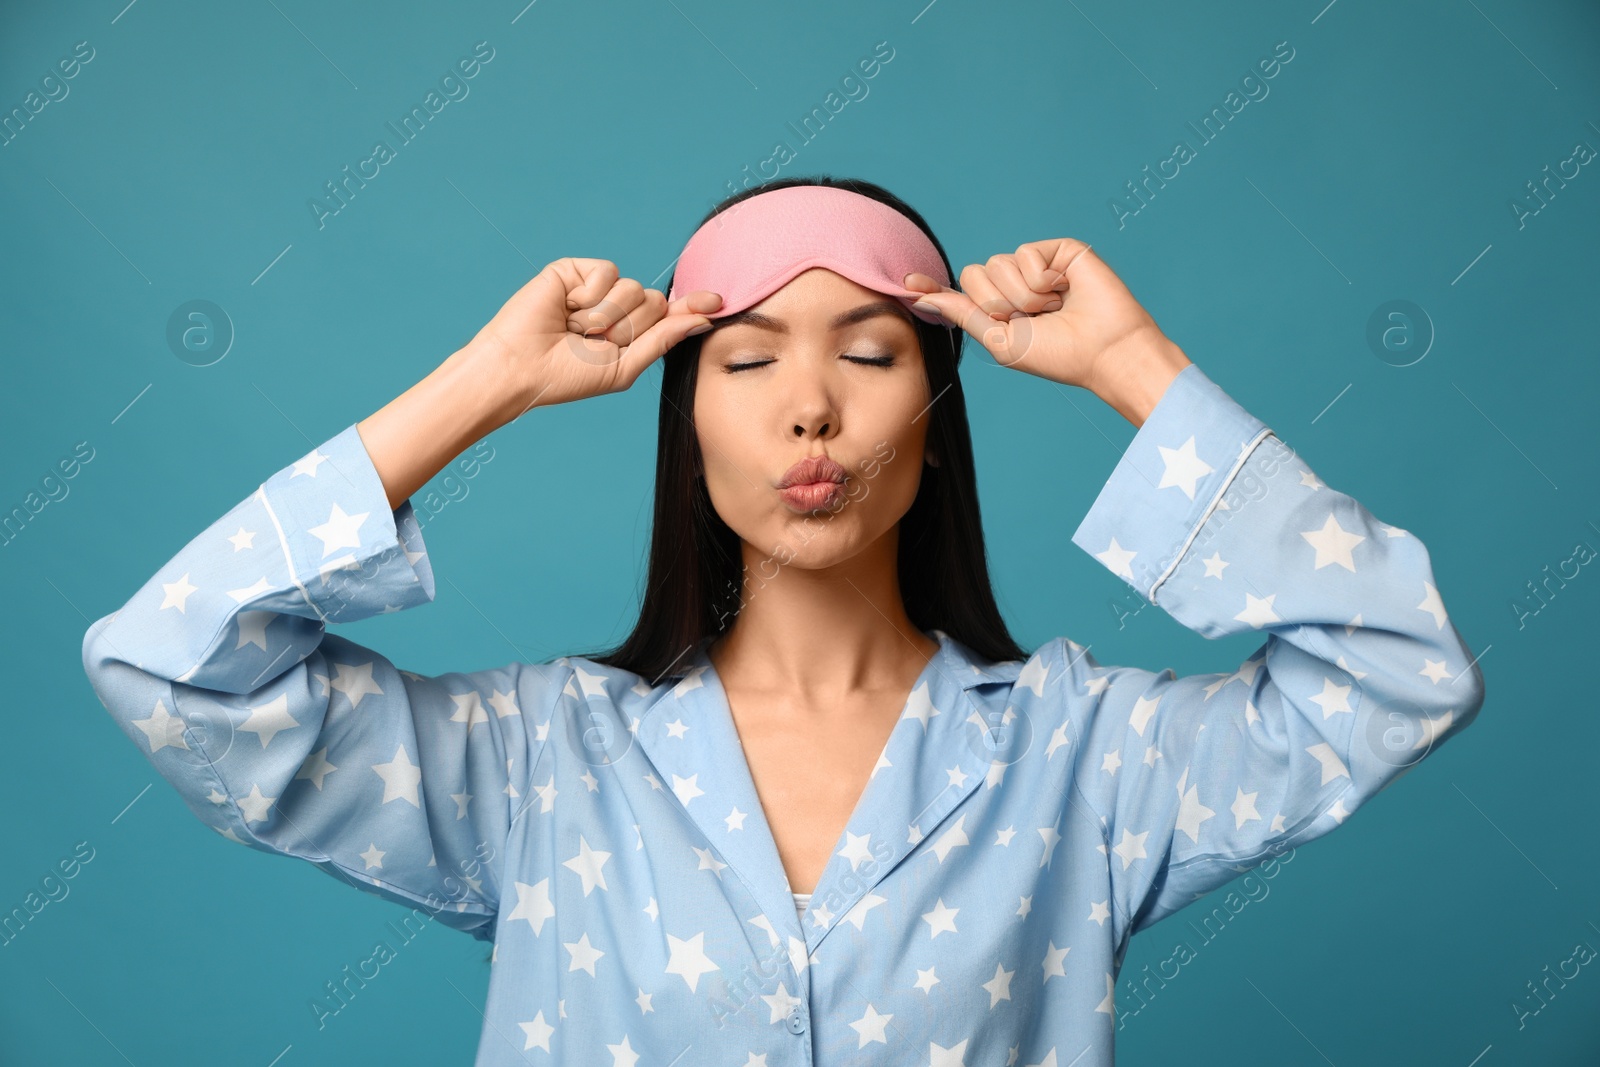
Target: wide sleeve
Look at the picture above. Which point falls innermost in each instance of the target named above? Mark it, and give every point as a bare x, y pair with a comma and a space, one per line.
1211, 517
293, 740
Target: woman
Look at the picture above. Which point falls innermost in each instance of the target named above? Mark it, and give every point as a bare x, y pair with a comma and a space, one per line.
820, 697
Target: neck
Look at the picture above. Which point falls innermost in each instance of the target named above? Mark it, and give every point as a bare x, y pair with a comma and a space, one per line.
823, 633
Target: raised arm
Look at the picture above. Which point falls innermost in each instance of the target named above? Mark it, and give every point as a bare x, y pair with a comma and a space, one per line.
293, 740
1210, 516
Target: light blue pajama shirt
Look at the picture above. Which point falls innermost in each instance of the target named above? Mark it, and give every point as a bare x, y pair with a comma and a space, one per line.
1023, 819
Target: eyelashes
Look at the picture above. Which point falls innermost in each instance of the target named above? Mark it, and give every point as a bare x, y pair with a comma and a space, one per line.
869, 361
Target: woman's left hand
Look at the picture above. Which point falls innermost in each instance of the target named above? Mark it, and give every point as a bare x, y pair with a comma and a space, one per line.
1055, 309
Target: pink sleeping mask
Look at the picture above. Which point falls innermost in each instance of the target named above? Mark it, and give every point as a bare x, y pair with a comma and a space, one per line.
759, 245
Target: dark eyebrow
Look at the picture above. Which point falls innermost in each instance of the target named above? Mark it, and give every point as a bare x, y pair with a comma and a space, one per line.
838, 322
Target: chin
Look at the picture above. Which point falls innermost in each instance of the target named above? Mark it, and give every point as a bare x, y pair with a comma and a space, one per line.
816, 542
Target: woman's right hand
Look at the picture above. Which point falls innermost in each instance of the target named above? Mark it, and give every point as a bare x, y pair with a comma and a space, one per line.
578, 329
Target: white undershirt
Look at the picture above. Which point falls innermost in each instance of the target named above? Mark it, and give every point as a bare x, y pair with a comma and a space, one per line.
800, 902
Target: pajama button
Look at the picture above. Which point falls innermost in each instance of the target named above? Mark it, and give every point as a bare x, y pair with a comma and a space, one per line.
797, 1021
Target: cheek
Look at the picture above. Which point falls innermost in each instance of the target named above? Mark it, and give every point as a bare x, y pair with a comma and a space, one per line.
886, 466
889, 480
893, 459
728, 453
731, 465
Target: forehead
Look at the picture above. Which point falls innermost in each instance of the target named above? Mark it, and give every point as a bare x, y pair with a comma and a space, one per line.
819, 283
816, 298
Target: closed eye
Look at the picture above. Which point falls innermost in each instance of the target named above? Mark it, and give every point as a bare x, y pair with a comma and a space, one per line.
869, 361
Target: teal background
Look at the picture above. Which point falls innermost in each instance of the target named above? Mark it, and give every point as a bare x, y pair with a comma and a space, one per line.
1382, 165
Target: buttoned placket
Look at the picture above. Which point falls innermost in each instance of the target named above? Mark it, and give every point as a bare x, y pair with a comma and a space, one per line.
946, 760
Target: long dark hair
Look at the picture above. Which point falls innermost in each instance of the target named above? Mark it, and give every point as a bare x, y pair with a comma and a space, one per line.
692, 590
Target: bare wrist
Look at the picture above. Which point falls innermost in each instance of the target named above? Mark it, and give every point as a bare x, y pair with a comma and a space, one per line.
485, 364
1137, 374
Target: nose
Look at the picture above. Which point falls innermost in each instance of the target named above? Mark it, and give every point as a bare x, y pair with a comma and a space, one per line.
813, 412
812, 408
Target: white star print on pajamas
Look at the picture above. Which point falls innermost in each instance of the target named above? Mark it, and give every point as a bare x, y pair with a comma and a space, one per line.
1022, 821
